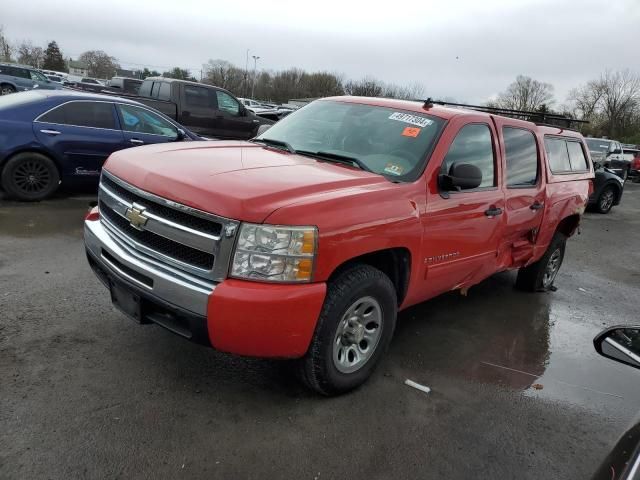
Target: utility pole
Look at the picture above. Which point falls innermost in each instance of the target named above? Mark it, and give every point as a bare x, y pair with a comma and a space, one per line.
255, 63
246, 75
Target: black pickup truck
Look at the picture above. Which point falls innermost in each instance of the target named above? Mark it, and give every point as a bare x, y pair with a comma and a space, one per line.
204, 109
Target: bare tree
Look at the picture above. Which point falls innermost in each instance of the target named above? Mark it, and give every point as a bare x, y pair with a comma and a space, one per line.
30, 55
222, 73
525, 93
99, 64
367, 87
6, 49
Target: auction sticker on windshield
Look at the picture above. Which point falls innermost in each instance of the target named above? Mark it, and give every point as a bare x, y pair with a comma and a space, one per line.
411, 119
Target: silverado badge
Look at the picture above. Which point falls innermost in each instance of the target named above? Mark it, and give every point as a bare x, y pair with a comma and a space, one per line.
135, 215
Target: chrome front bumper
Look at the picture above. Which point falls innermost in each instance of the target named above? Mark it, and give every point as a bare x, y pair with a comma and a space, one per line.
171, 285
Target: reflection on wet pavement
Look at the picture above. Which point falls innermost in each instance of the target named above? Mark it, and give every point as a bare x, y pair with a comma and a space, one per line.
60, 215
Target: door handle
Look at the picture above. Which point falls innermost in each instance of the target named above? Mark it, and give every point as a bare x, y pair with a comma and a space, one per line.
493, 211
50, 132
136, 141
536, 205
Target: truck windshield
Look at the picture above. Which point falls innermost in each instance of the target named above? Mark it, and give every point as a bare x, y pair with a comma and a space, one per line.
598, 145
389, 142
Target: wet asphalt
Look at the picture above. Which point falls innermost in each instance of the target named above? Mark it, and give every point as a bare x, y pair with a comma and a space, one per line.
517, 389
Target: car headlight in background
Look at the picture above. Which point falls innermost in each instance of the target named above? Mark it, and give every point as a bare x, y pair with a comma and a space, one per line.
275, 253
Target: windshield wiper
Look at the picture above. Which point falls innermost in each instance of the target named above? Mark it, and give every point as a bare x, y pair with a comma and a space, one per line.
274, 143
353, 161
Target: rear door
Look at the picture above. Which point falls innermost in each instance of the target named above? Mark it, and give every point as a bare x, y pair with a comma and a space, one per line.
235, 122
81, 134
141, 126
524, 190
462, 230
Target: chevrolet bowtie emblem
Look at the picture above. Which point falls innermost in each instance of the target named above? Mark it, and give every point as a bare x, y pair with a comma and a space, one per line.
135, 215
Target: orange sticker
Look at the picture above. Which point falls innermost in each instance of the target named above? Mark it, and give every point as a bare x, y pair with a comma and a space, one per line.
411, 132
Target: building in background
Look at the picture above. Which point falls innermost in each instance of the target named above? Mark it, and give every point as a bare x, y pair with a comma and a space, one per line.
78, 68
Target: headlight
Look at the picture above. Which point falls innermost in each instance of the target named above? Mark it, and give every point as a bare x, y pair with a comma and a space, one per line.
275, 253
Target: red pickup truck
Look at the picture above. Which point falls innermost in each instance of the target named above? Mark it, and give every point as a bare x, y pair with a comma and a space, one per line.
306, 241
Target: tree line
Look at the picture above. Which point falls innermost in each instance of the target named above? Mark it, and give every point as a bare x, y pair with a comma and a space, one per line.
610, 103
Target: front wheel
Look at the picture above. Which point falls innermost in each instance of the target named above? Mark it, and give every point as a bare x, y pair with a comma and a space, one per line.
354, 329
539, 276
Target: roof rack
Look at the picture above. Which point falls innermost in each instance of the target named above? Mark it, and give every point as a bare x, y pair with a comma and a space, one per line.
539, 118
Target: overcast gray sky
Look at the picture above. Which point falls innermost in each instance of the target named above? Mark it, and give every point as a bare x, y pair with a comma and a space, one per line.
464, 49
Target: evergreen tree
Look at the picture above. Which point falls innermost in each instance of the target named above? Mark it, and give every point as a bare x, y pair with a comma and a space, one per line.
53, 59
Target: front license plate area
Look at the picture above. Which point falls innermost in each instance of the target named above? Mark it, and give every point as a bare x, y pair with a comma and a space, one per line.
127, 302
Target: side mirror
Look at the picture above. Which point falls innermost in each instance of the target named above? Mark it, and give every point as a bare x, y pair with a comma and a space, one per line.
461, 176
181, 134
262, 128
621, 344
597, 165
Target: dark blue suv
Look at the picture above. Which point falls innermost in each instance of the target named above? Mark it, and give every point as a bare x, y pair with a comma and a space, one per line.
50, 137
18, 78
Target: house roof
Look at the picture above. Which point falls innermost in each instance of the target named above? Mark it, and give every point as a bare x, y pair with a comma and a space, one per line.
78, 64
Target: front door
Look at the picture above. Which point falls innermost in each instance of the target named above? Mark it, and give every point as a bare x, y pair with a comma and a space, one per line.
462, 229
235, 120
141, 126
81, 134
199, 111
524, 190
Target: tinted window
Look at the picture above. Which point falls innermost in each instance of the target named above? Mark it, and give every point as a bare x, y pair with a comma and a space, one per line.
473, 145
598, 145
198, 96
37, 76
155, 89
165, 91
82, 114
135, 119
227, 103
145, 89
558, 154
576, 156
522, 157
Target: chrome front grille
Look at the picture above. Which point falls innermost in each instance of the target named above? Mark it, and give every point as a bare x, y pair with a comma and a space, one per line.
181, 237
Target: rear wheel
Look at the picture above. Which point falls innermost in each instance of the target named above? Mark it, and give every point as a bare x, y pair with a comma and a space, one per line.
354, 329
30, 177
6, 89
605, 200
539, 276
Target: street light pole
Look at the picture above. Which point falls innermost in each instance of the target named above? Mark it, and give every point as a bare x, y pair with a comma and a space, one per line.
246, 75
255, 63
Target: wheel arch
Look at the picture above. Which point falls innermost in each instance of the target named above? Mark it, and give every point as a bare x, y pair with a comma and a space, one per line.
31, 149
393, 262
568, 225
10, 83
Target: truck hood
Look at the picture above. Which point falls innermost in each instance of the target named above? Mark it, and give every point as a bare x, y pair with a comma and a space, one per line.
238, 180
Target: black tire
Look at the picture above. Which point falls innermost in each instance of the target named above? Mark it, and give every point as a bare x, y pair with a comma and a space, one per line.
318, 370
606, 199
30, 177
534, 278
6, 89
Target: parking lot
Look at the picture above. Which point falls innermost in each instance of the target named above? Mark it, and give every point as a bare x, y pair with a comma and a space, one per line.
517, 388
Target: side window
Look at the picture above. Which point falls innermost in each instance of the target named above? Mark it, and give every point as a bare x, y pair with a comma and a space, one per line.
82, 114
145, 88
155, 90
165, 91
576, 157
558, 155
140, 120
522, 157
197, 96
21, 73
227, 103
473, 145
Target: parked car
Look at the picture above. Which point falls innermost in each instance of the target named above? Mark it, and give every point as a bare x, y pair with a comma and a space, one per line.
206, 110
17, 78
62, 75
48, 137
621, 344
610, 154
306, 241
632, 155
55, 78
125, 85
608, 189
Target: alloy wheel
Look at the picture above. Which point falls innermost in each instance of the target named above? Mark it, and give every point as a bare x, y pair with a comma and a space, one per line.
553, 266
31, 177
358, 335
606, 200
